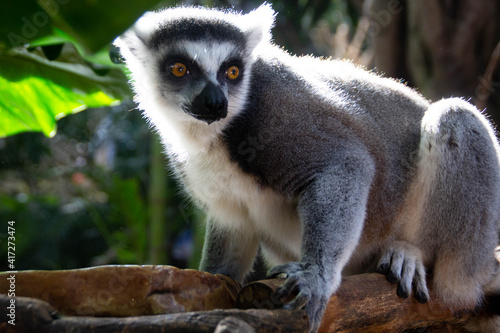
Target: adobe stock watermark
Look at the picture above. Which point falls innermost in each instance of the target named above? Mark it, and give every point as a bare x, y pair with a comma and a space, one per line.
118, 281
383, 17
11, 278
31, 25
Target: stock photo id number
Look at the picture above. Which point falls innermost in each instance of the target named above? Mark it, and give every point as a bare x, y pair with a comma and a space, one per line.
11, 278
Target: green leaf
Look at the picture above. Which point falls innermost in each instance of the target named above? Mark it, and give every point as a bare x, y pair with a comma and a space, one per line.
35, 92
97, 23
93, 24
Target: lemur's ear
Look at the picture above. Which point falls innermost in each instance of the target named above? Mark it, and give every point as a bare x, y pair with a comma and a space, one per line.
133, 41
257, 25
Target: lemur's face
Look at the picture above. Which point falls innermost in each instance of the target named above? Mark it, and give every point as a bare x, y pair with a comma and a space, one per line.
204, 76
193, 65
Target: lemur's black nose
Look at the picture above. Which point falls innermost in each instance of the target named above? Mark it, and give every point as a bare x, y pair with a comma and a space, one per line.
215, 100
210, 105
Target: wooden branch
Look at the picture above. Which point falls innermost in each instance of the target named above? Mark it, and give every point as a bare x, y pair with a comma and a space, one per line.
121, 291
366, 303
34, 315
484, 88
372, 298
130, 298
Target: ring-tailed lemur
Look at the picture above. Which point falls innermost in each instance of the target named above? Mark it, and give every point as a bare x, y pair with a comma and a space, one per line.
322, 165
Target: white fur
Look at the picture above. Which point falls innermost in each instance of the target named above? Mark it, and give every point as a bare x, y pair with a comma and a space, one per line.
231, 197
209, 56
237, 201
429, 157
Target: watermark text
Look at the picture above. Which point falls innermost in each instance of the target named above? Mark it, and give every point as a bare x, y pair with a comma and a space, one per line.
11, 278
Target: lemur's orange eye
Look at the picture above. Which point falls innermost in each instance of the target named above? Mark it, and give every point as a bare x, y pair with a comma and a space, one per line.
233, 72
178, 69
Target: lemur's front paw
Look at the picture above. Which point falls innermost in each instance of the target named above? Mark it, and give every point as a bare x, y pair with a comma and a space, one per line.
306, 287
402, 264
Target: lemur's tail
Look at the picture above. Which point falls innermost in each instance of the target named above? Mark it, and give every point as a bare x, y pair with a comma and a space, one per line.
489, 322
492, 289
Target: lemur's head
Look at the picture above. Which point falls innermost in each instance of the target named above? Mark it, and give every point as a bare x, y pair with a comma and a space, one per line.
193, 64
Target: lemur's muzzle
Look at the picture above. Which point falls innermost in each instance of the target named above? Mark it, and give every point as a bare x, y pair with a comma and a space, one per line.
210, 105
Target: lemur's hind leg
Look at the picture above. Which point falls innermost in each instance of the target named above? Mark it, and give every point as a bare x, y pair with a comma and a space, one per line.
456, 220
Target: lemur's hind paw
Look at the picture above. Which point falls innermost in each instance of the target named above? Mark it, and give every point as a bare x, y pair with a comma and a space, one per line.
402, 264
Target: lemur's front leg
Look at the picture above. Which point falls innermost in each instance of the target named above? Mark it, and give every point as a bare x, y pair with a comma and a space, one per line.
332, 210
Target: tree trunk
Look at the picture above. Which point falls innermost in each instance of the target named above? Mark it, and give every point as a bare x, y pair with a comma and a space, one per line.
443, 48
